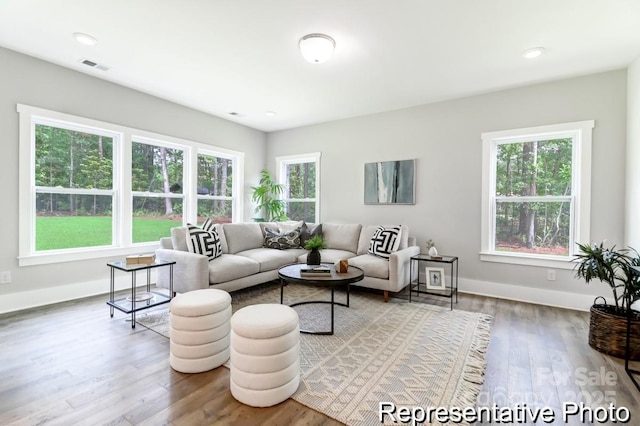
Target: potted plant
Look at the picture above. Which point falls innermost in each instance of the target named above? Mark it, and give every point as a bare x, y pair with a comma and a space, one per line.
267, 197
314, 244
608, 322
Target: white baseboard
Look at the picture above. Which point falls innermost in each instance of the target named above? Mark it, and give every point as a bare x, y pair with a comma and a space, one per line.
559, 299
12, 302
18, 301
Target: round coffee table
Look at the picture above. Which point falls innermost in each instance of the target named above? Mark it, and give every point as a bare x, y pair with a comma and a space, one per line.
291, 274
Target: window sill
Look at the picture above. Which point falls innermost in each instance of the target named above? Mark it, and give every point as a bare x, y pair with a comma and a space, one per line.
556, 262
88, 254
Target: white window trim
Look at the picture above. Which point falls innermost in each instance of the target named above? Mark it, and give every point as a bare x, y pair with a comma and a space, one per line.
580, 186
313, 157
122, 244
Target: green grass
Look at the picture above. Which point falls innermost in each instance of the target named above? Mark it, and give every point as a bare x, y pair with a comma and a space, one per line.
145, 230
63, 232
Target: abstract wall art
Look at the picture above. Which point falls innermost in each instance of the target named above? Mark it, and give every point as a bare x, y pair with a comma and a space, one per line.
389, 182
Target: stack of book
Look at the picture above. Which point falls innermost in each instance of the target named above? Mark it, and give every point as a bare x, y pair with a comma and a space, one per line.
135, 259
315, 271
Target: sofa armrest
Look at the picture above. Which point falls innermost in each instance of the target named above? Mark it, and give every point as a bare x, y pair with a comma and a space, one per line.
191, 271
399, 267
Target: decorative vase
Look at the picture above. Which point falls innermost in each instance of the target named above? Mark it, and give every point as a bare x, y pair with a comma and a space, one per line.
433, 251
313, 258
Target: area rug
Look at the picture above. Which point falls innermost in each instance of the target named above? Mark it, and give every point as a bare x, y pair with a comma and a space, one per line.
408, 354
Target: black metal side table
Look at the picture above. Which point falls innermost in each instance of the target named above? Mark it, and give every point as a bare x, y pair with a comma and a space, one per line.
450, 291
138, 301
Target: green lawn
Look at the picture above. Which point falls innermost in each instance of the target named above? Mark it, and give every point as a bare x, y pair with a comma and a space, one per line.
61, 232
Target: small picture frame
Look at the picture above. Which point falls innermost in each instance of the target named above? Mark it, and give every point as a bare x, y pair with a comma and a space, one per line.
435, 278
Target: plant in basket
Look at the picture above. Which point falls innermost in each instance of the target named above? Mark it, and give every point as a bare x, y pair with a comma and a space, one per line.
608, 322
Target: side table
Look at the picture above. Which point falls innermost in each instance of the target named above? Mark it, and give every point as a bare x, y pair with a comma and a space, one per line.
450, 291
138, 301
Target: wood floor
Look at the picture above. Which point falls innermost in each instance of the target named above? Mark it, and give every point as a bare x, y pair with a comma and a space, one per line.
71, 364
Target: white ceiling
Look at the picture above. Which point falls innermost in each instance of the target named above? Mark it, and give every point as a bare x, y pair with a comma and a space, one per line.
223, 56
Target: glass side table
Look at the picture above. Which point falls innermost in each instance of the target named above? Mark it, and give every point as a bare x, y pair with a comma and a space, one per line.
138, 301
435, 277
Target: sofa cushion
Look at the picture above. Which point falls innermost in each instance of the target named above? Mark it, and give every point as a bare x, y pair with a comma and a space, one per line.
281, 240
328, 255
373, 266
290, 225
231, 267
205, 242
270, 225
367, 233
269, 259
385, 241
341, 237
308, 231
242, 236
179, 238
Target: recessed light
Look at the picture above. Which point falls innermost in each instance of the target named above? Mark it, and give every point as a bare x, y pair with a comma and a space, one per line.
85, 39
234, 113
534, 52
270, 113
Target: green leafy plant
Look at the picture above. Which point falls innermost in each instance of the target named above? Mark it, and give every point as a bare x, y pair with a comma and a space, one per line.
267, 197
614, 267
315, 243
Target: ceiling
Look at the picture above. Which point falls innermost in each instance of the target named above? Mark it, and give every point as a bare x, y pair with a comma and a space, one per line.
242, 56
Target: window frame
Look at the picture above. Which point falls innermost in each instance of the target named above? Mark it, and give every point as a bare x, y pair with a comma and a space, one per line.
285, 160
581, 133
122, 214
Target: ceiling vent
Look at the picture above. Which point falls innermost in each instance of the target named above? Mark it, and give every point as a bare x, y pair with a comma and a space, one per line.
94, 65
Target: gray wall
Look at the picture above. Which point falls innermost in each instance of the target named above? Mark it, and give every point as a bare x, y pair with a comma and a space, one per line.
445, 140
632, 224
30, 81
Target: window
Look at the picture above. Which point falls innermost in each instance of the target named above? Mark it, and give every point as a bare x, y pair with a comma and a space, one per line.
156, 189
215, 188
300, 175
536, 194
74, 191
90, 189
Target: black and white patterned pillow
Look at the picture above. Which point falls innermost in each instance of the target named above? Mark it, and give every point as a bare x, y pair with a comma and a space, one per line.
205, 242
385, 241
281, 241
208, 224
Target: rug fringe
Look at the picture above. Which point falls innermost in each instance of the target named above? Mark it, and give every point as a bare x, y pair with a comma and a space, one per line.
473, 371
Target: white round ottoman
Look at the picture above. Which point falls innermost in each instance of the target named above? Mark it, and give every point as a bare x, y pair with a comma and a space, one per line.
265, 354
199, 330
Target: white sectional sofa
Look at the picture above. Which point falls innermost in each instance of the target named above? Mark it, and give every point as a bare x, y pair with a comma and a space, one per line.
246, 262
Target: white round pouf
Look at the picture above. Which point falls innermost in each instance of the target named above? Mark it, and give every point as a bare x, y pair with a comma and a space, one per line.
199, 330
265, 354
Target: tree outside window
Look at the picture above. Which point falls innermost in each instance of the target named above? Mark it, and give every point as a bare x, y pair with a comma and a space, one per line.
300, 176
536, 192
215, 188
156, 185
74, 187
533, 196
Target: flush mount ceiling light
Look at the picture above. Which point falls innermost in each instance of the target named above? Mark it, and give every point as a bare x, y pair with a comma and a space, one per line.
534, 52
317, 48
85, 39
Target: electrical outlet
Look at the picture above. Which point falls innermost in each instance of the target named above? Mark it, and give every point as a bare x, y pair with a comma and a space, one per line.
5, 277
551, 275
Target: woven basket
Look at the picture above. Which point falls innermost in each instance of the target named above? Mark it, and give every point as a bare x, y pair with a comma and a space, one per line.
608, 332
